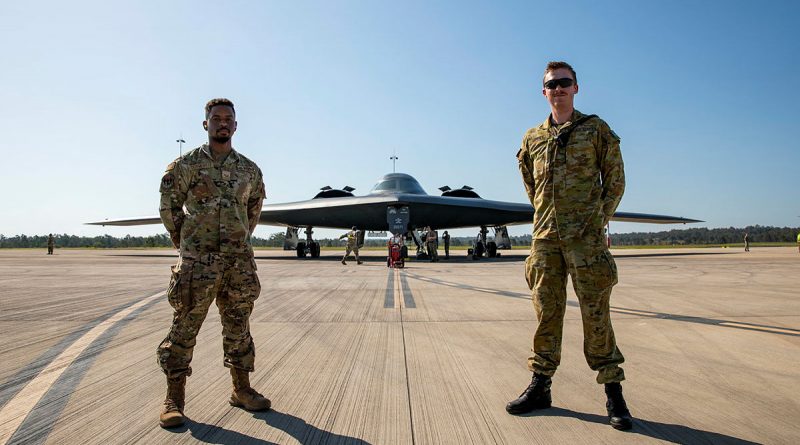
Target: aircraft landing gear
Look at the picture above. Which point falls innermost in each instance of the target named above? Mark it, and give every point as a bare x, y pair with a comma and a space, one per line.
309, 247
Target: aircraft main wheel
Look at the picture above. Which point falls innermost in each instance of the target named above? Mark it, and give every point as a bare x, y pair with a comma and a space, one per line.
301, 250
315, 250
491, 249
478, 251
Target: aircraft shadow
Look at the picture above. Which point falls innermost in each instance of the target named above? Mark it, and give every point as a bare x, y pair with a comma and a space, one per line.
372, 258
296, 427
663, 431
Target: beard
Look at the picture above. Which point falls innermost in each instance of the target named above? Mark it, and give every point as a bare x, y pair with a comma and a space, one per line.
220, 139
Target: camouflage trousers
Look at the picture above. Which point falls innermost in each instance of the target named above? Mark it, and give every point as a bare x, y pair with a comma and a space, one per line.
433, 253
594, 272
349, 249
232, 281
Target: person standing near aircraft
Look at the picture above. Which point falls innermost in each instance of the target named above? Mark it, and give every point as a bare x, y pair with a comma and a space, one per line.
798, 242
573, 172
51, 244
432, 241
222, 192
746, 242
352, 244
446, 239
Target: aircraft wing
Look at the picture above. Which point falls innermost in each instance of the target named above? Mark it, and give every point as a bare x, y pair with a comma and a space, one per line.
140, 221
369, 213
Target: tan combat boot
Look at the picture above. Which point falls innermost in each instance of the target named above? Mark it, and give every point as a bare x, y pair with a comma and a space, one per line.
244, 396
172, 410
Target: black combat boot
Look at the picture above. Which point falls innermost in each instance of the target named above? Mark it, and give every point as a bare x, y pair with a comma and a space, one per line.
535, 396
618, 415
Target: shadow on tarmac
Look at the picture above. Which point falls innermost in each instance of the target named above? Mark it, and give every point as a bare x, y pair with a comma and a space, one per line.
663, 431
459, 259
296, 427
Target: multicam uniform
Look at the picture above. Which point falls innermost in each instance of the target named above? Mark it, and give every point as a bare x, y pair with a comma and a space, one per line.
574, 191
223, 203
432, 240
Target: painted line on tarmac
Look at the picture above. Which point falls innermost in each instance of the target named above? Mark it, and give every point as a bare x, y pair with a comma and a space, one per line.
19, 407
408, 297
388, 300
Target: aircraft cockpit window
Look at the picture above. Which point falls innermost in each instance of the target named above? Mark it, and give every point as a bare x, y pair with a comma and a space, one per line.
398, 185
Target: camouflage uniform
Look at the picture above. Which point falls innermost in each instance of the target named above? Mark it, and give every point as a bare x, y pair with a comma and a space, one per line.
223, 203
352, 245
51, 244
432, 240
574, 191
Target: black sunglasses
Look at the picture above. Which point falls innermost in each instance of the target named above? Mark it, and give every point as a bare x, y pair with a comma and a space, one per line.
564, 82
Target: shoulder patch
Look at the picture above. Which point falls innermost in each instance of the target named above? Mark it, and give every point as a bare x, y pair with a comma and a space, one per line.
167, 181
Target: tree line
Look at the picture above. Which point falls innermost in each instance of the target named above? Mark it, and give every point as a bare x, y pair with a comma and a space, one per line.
698, 236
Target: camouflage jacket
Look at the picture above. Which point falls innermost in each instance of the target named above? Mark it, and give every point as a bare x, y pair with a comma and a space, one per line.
574, 189
222, 202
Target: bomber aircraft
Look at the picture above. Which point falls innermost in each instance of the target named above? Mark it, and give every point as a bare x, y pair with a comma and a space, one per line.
399, 204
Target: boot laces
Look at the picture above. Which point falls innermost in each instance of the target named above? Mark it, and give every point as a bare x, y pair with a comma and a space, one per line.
536, 382
170, 405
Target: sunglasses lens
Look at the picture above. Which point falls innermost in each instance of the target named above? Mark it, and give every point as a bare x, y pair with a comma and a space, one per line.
564, 82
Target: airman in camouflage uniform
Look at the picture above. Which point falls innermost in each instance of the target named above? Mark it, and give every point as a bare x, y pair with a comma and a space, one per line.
573, 173
352, 244
222, 192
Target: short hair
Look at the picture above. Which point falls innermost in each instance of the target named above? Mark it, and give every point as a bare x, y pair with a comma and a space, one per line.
219, 101
552, 66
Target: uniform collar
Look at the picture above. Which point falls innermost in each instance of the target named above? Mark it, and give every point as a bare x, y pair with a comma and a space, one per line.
233, 156
548, 124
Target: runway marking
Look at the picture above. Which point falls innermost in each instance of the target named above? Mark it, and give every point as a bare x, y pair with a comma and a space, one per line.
398, 293
19, 406
389, 298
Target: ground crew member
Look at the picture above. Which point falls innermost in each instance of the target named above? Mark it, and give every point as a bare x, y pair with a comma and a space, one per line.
746, 242
352, 244
798, 242
573, 173
222, 192
432, 241
51, 244
446, 238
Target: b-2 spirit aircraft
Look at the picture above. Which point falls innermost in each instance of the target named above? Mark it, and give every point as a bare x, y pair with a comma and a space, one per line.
399, 204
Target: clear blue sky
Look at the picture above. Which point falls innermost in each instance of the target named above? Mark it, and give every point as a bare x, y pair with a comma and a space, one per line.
94, 94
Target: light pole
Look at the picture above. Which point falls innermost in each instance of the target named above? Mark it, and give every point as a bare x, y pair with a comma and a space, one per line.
180, 145
394, 159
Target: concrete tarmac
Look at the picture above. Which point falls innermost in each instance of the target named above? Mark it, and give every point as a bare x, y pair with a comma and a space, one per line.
429, 354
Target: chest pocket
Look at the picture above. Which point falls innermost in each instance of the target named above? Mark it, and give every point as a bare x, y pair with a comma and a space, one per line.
202, 186
241, 184
582, 151
539, 160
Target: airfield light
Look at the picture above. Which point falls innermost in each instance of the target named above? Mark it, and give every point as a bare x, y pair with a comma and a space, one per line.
394, 159
180, 145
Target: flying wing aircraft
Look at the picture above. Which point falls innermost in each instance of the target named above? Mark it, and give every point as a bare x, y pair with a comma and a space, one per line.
399, 204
